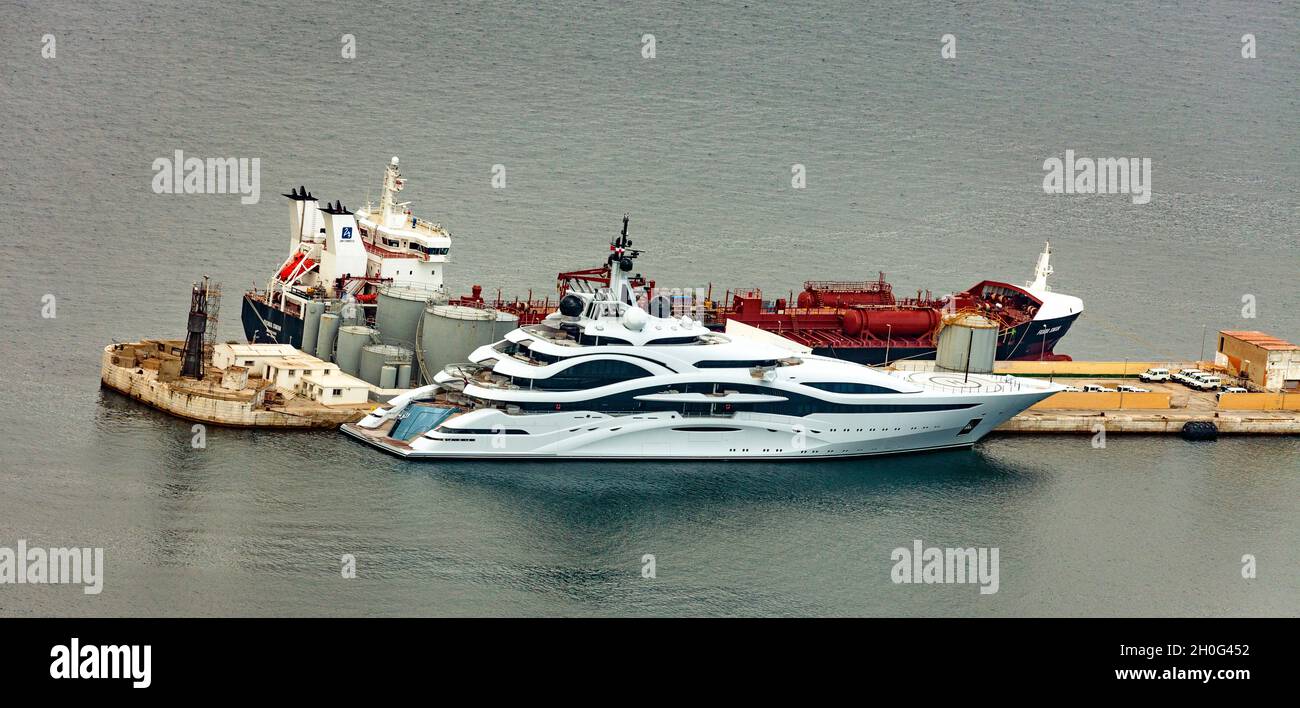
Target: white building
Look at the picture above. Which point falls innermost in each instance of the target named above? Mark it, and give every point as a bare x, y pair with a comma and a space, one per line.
287, 372
250, 356
334, 388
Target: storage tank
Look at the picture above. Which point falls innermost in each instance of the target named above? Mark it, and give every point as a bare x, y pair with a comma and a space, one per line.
329, 329
403, 376
846, 294
311, 325
400, 308
388, 377
884, 324
451, 332
348, 352
967, 342
505, 323
374, 357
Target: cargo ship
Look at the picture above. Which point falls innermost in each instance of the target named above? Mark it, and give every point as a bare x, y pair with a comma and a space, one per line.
864, 321
339, 260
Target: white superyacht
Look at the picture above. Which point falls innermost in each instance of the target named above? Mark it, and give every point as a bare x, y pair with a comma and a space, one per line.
605, 378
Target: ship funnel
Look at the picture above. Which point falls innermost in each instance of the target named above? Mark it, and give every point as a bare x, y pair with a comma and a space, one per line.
343, 253
301, 210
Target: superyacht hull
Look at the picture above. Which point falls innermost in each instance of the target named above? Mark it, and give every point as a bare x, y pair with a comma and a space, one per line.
943, 424
397, 449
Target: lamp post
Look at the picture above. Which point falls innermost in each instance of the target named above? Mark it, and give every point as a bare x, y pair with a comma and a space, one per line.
1123, 374
1202, 356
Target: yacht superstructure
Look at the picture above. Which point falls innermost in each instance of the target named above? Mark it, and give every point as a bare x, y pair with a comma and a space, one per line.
603, 377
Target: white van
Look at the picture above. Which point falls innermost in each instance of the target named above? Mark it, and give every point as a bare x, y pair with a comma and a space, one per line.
1184, 376
1206, 382
1151, 375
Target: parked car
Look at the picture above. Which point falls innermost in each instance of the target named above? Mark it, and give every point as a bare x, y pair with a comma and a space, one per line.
1095, 388
1206, 382
1229, 389
1151, 375
1132, 389
1072, 389
1184, 376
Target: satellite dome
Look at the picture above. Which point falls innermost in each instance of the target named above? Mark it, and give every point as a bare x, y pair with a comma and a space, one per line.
570, 305
634, 318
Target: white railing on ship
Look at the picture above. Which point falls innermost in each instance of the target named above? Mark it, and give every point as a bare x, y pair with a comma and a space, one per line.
1001, 384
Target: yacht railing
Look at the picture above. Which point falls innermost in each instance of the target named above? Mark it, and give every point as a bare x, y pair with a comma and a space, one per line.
986, 383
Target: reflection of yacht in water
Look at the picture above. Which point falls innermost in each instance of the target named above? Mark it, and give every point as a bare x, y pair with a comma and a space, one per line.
602, 377
338, 260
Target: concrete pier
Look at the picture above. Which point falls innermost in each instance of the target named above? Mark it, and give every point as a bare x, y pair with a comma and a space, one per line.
1165, 408
148, 371
1151, 422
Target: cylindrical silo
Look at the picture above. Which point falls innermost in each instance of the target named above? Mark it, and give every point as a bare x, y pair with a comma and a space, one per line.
404, 376
399, 310
504, 323
967, 342
329, 329
451, 332
374, 357
348, 352
388, 377
311, 325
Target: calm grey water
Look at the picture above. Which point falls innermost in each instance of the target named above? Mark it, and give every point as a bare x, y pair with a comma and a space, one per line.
925, 168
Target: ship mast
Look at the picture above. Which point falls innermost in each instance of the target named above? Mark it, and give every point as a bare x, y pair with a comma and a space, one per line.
1042, 270
619, 262
387, 199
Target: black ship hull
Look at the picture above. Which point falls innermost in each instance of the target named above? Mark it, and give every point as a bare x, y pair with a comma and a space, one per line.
264, 324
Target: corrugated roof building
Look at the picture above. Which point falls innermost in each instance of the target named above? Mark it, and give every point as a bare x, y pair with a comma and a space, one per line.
1268, 362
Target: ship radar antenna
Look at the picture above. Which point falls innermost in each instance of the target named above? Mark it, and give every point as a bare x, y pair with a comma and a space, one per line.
620, 263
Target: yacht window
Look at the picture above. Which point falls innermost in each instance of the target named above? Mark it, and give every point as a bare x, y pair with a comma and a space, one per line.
734, 364
674, 340
845, 387
588, 374
539, 357
592, 340
482, 431
796, 404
